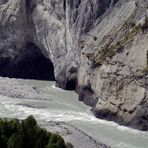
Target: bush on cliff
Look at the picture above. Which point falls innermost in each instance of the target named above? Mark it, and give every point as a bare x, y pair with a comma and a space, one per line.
27, 134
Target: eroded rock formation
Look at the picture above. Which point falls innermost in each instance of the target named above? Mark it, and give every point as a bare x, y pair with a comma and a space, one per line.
97, 47
115, 66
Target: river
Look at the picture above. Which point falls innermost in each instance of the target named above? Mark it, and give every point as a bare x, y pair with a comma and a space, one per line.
64, 106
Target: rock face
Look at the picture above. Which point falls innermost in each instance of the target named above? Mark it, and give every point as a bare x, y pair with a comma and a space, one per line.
96, 47
113, 71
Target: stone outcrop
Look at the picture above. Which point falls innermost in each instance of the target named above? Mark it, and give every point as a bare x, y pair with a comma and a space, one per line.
114, 66
96, 47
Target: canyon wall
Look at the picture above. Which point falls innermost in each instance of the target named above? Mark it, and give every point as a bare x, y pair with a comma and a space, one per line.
97, 47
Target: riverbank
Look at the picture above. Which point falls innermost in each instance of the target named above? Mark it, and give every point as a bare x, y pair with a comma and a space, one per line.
15, 88
72, 134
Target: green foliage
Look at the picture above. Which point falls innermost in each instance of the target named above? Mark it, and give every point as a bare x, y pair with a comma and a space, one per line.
3, 141
15, 141
30, 122
58, 140
69, 145
27, 134
110, 49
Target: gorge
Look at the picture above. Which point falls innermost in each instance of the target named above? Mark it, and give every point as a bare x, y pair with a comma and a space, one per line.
99, 48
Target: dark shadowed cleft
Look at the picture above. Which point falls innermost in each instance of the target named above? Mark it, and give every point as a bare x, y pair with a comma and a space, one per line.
71, 84
30, 5
31, 64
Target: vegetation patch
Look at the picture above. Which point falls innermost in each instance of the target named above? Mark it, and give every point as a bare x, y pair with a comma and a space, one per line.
27, 134
110, 48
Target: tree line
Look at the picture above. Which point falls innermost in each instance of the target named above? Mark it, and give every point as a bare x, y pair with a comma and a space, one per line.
27, 134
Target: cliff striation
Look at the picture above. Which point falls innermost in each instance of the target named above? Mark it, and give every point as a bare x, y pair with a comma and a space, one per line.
97, 47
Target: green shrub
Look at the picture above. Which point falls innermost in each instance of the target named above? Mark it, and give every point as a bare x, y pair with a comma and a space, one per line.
58, 140
15, 141
27, 134
30, 122
69, 145
3, 141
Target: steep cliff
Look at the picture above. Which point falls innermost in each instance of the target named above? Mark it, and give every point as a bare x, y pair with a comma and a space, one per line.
96, 47
113, 69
